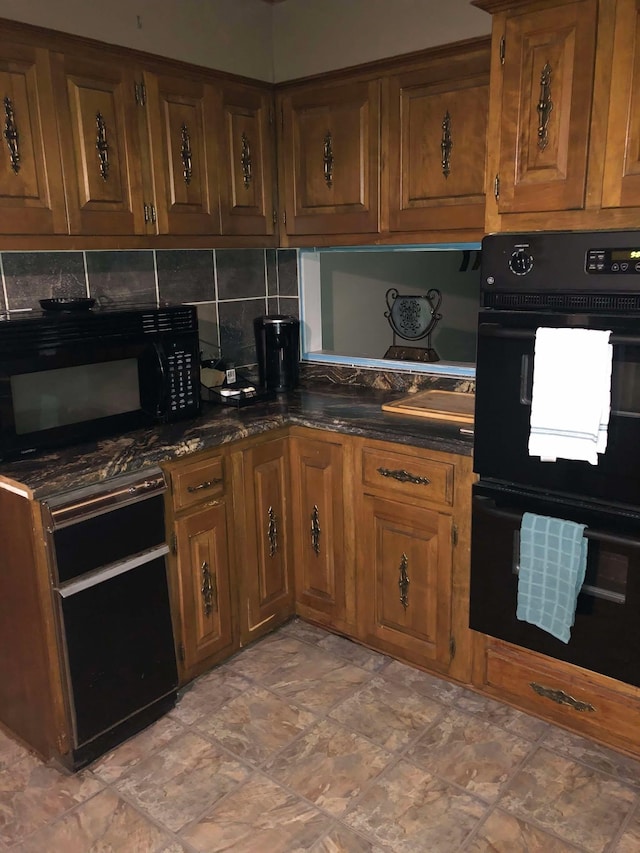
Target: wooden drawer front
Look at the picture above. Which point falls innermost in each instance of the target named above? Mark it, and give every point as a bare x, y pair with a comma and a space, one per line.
197, 482
565, 694
415, 476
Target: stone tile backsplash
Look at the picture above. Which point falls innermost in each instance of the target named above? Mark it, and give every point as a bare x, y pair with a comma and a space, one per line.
229, 286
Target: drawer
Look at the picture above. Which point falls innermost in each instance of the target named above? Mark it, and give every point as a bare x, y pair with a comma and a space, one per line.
573, 697
198, 481
418, 477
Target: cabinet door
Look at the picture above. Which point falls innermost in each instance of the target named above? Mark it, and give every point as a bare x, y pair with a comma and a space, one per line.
204, 587
246, 152
318, 524
405, 579
437, 143
546, 107
331, 159
181, 120
266, 582
101, 151
621, 186
31, 193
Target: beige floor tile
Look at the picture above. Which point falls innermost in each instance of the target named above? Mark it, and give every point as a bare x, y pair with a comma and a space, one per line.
412, 812
422, 682
343, 840
180, 781
503, 833
575, 802
589, 752
387, 713
32, 794
259, 817
208, 693
111, 766
514, 721
328, 765
304, 631
469, 752
315, 679
353, 652
629, 841
104, 823
256, 724
273, 651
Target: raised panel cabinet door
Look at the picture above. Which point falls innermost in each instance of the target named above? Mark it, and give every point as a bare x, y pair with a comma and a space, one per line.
247, 161
267, 577
205, 595
437, 146
407, 557
181, 120
31, 193
621, 185
331, 159
95, 97
548, 71
318, 524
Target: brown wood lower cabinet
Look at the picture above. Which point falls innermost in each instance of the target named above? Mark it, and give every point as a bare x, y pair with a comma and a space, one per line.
203, 599
263, 536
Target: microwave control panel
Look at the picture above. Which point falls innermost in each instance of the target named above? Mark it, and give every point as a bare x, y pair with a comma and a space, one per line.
183, 387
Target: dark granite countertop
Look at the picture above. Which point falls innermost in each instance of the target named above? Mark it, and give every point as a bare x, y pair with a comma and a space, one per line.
339, 408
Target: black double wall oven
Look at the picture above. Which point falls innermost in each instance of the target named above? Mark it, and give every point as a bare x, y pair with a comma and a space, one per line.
558, 280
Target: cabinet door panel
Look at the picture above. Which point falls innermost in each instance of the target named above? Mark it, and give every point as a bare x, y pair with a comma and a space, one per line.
621, 187
267, 581
437, 143
100, 146
246, 149
546, 108
203, 564
182, 129
331, 159
31, 194
408, 551
317, 489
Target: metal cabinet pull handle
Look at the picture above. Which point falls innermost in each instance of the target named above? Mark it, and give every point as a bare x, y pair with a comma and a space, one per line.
272, 532
209, 590
403, 582
208, 484
446, 144
102, 146
403, 476
315, 529
545, 105
328, 158
560, 697
11, 135
185, 153
245, 161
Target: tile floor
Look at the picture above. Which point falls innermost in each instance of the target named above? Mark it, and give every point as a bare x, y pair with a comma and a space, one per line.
308, 742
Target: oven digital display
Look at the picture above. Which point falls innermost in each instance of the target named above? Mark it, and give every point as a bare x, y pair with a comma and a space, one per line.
625, 254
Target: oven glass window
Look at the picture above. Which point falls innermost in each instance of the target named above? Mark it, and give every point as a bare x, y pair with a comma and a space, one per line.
69, 395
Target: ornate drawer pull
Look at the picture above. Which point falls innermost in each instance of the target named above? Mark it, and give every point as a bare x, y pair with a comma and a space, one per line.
446, 144
208, 589
185, 153
403, 582
208, 484
545, 105
245, 161
328, 158
11, 135
404, 476
102, 146
315, 529
272, 532
560, 697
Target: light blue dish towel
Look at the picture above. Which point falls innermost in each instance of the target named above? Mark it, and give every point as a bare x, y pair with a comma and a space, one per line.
553, 560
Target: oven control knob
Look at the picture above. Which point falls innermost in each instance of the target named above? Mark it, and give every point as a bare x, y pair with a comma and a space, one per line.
521, 262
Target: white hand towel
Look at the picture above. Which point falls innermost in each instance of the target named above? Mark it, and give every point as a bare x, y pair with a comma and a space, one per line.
571, 399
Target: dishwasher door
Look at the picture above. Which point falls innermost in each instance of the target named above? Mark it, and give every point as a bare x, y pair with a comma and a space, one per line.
110, 580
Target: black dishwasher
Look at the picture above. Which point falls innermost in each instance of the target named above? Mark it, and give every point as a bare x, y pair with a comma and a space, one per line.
107, 547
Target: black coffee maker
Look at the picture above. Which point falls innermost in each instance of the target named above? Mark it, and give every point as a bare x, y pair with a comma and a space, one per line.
278, 351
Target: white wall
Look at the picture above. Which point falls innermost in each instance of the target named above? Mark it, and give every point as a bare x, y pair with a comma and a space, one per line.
291, 39
230, 35
312, 36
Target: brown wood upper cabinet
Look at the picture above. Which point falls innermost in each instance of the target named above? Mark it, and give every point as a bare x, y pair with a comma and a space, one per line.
31, 194
331, 158
436, 120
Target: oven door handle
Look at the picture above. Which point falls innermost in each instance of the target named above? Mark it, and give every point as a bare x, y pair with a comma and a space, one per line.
94, 578
589, 533
495, 330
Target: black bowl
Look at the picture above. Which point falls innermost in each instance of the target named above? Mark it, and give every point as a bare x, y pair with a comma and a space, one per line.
68, 303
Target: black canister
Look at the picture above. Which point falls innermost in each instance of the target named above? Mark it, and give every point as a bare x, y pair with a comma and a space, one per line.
278, 351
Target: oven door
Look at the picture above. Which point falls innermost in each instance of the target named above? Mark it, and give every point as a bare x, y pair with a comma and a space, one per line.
504, 380
606, 635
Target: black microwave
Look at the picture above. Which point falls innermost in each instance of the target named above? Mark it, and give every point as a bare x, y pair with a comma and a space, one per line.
69, 377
